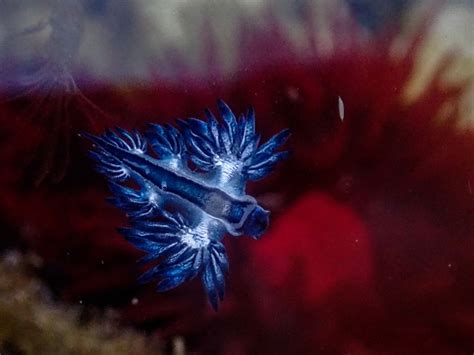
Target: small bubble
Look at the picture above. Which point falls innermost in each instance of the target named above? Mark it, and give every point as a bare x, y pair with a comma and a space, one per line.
341, 108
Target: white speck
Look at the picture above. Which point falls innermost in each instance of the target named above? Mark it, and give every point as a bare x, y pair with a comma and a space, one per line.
134, 301
197, 237
80, 301
153, 198
357, 240
173, 162
341, 108
138, 151
449, 265
102, 262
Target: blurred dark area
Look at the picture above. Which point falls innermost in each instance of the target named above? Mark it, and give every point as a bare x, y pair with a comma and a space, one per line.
375, 14
370, 248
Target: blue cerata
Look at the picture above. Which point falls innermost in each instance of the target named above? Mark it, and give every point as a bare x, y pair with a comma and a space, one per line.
184, 189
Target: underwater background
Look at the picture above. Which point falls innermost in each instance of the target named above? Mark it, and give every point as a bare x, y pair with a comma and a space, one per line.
370, 248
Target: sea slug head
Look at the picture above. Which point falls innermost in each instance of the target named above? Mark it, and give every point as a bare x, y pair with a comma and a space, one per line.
256, 223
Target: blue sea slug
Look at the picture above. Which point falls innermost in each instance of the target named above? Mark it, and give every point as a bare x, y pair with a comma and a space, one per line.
184, 189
